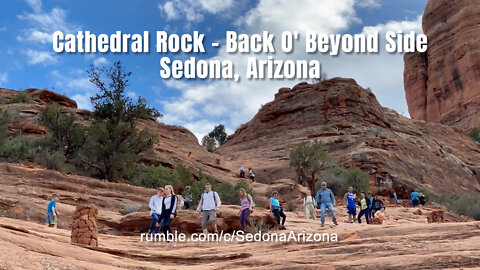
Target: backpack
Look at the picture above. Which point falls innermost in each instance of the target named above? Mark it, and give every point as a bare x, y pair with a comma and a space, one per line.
214, 198
252, 203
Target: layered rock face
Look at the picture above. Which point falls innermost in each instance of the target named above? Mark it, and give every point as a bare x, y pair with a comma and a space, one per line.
443, 84
397, 152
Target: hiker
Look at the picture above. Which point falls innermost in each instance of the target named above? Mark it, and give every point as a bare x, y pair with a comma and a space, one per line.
380, 215
422, 199
414, 198
242, 172
187, 197
208, 205
189, 154
363, 209
377, 204
251, 174
277, 210
246, 207
370, 204
325, 199
169, 207
52, 212
309, 206
394, 196
155, 210
350, 198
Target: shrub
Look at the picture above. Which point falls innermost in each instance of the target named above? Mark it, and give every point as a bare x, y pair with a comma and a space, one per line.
132, 208
151, 176
53, 160
326, 128
338, 180
475, 135
16, 149
21, 97
466, 204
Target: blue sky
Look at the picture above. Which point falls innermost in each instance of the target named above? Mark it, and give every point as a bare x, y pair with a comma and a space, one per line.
27, 59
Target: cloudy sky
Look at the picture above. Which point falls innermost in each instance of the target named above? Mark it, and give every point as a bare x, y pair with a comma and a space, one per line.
27, 58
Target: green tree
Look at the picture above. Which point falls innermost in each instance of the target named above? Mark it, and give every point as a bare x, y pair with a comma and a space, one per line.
209, 143
219, 134
475, 135
215, 138
4, 119
339, 179
308, 159
114, 142
67, 135
21, 97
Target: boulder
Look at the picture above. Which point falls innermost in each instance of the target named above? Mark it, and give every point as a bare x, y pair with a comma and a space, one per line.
48, 97
436, 216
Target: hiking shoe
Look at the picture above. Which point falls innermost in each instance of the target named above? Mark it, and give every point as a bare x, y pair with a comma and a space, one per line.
322, 225
335, 222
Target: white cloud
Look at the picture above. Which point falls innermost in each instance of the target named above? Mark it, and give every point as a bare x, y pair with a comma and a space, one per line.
101, 61
40, 57
42, 24
36, 5
194, 10
3, 77
369, 3
169, 9
83, 101
202, 105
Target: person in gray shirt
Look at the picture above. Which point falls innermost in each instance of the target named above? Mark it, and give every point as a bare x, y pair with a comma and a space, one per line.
209, 203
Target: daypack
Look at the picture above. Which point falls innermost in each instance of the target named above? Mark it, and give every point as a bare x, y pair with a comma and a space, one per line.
214, 198
252, 203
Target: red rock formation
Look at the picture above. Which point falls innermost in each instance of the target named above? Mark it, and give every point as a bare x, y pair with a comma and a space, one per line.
84, 226
48, 96
396, 151
442, 85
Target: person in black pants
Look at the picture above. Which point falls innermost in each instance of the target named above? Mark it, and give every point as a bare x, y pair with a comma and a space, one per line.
277, 210
169, 205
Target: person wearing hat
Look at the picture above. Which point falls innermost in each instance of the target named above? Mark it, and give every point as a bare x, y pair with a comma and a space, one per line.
325, 199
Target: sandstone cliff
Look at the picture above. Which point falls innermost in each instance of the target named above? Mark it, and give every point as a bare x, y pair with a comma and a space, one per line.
396, 151
442, 85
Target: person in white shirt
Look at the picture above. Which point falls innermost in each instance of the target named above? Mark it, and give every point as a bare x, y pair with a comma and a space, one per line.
309, 206
156, 209
209, 203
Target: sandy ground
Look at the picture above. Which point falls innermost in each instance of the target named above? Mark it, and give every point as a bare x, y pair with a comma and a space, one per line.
405, 241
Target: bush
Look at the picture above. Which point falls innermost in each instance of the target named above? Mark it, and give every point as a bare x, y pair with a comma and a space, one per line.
151, 176
21, 97
338, 180
467, 204
16, 149
475, 135
132, 208
53, 160
326, 128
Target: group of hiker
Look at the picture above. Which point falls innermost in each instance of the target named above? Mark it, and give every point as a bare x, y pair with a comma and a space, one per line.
251, 174
370, 206
163, 207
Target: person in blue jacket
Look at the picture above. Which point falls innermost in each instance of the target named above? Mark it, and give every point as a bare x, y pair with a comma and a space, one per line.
414, 198
325, 199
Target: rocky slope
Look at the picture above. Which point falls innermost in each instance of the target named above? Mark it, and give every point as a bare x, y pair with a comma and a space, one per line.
404, 242
172, 148
396, 151
442, 84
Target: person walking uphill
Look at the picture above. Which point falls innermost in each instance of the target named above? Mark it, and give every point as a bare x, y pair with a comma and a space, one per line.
52, 212
363, 209
350, 198
246, 207
309, 206
155, 210
169, 207
325, 199
277, 210
208, 205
